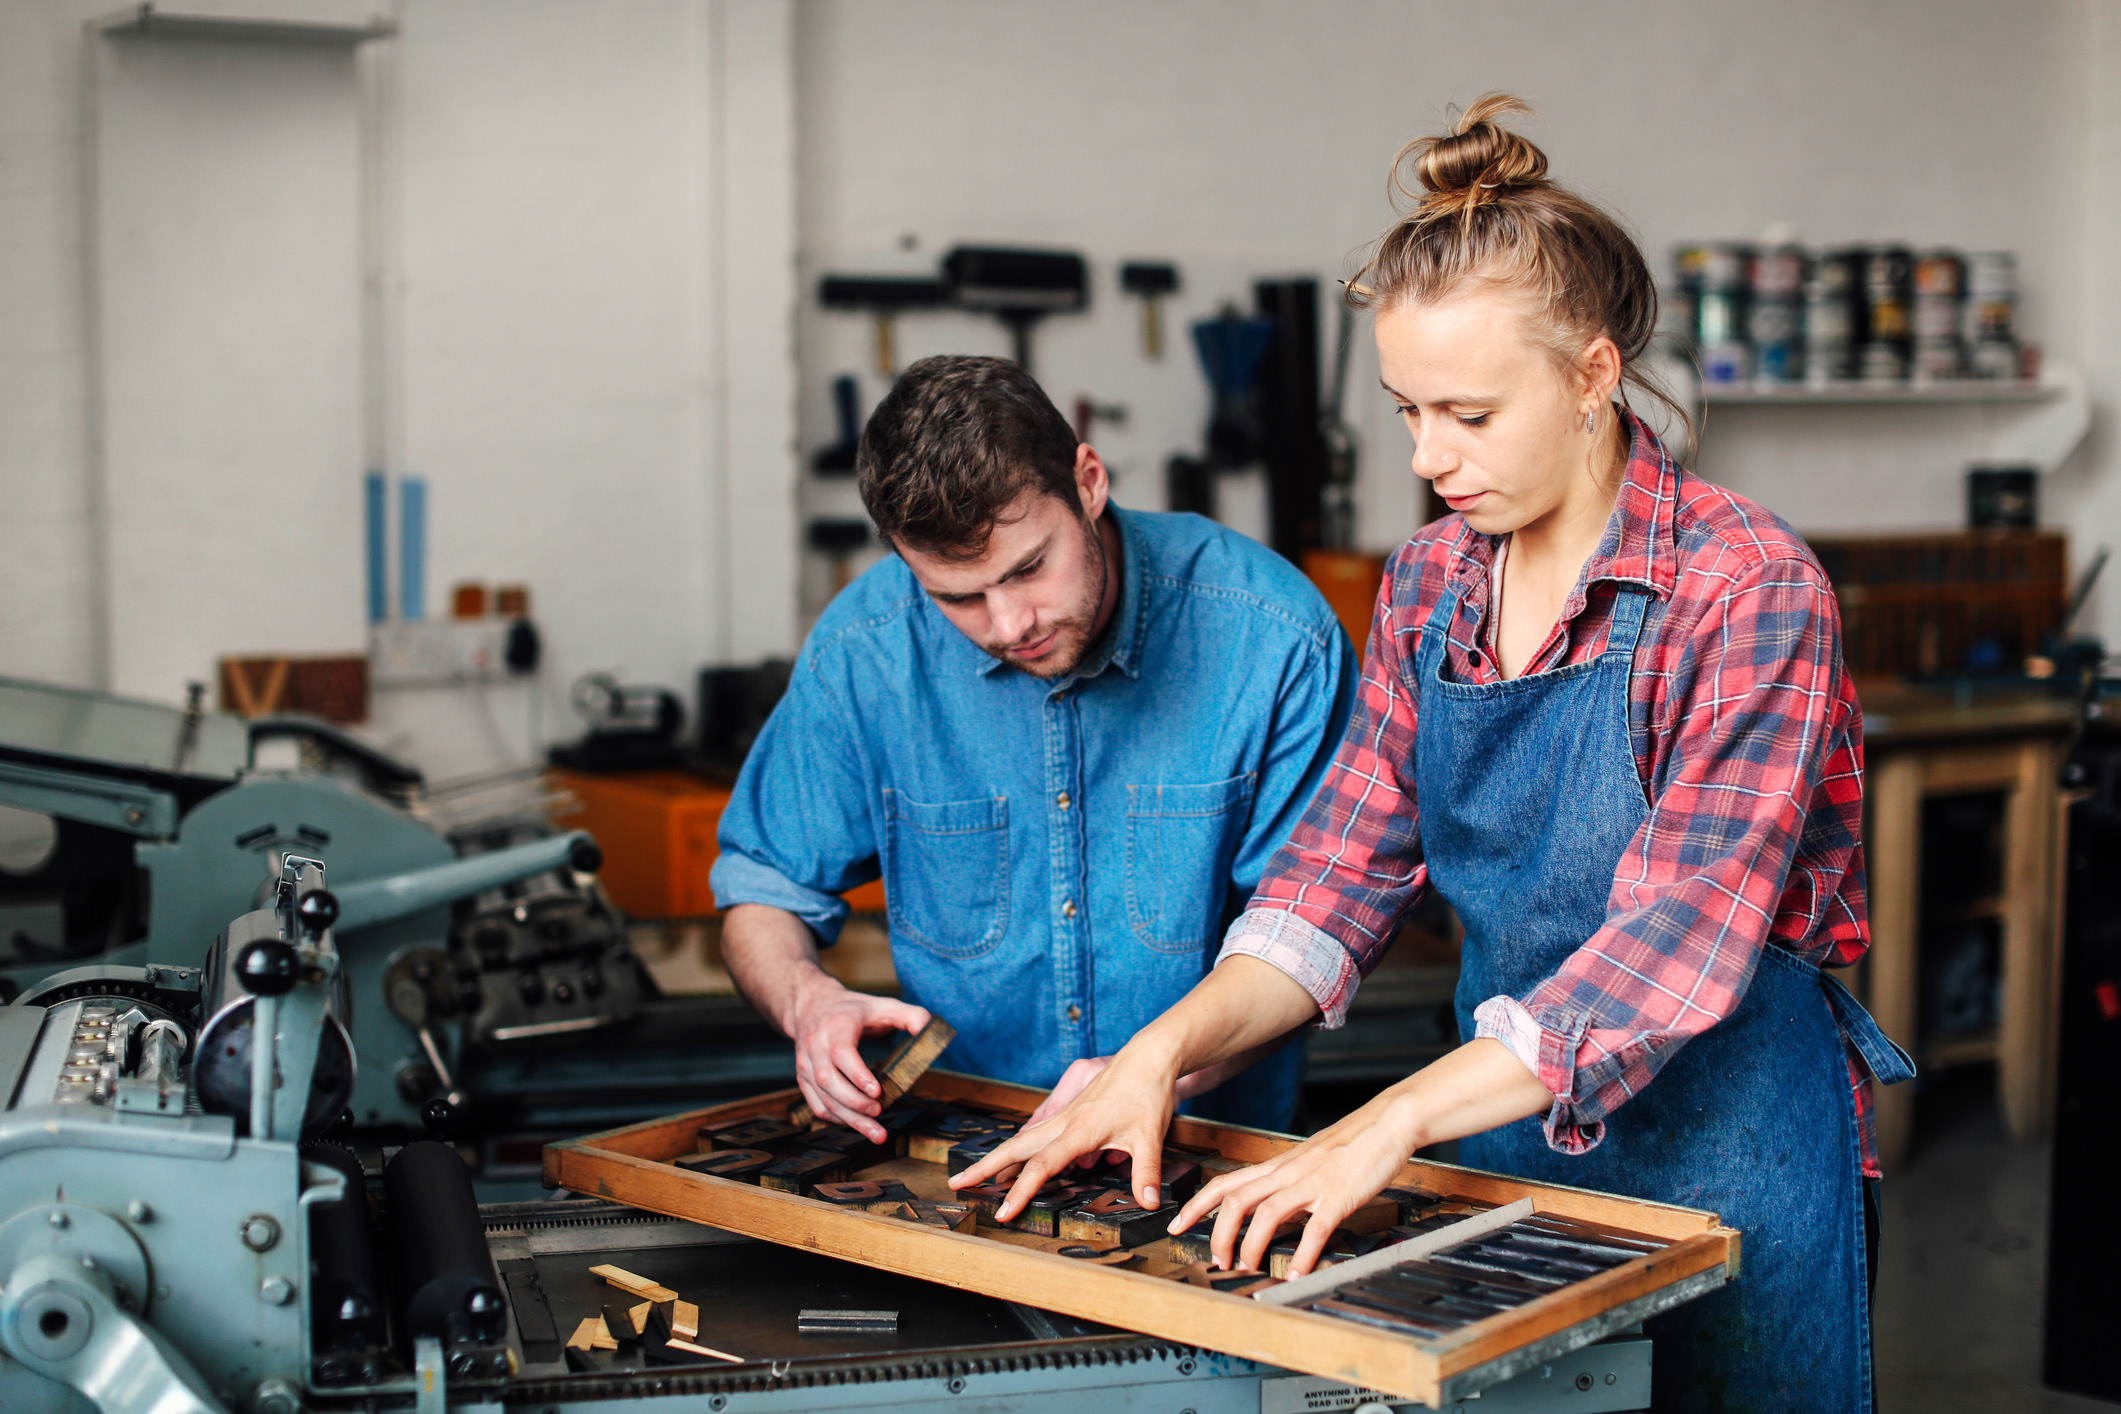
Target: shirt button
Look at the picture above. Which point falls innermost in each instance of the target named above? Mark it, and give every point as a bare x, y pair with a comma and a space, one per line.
1061, 800
1068, 909
1075, 1013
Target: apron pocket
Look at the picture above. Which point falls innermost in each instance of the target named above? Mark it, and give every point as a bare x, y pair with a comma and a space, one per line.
1180, 841
946, 873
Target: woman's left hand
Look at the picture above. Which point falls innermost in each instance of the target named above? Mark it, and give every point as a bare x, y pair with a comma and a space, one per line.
1337, 1170
1329, 1176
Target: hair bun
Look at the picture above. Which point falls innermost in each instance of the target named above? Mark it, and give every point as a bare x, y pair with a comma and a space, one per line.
1474, 162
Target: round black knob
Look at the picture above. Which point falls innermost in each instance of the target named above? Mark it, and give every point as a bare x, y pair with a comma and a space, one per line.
584, 857
317, 911
440, 1117
269, 968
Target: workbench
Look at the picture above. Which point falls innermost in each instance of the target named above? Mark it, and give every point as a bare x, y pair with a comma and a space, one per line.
1920, 744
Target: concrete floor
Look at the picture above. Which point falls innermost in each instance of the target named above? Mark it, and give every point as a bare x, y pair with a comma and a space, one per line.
1962, 1264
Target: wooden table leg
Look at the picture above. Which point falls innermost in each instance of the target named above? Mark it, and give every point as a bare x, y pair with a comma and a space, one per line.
1895, 855
2026, 1034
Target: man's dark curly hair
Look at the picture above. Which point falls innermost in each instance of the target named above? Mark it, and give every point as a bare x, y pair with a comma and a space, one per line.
952, 444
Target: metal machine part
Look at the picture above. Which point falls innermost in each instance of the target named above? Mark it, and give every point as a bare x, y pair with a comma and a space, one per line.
169, 1244
163, 831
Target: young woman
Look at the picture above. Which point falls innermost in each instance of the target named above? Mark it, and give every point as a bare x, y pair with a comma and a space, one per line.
1604, 713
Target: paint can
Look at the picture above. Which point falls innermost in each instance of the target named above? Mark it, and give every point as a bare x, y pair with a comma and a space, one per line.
1775, 318
1831, 317
1713, 276
1888, 336
1991, 313
1940, 299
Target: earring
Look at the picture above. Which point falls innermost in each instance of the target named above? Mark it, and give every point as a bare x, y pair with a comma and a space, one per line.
1590, 420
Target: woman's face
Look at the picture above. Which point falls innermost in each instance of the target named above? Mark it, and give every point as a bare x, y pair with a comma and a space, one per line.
1497, 425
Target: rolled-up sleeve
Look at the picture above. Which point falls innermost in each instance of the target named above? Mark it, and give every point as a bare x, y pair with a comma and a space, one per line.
800, 828
1754, 702
1330, 899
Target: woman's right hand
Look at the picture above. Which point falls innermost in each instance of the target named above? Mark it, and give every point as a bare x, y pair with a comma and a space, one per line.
1127, 1107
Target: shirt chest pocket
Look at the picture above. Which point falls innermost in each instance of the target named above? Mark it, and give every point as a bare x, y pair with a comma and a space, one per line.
1180, 840
946, 873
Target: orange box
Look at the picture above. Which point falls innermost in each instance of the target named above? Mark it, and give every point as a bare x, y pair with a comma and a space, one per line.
657, 830
1350, 580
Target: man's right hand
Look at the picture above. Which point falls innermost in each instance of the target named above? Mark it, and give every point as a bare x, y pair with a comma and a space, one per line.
828, 1021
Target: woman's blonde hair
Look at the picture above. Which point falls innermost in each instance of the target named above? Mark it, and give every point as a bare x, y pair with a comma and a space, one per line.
1486, 211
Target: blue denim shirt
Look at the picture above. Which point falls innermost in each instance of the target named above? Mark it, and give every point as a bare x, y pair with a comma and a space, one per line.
1059, 857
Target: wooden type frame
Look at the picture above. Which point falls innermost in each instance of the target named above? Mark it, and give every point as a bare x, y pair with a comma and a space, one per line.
633, 1166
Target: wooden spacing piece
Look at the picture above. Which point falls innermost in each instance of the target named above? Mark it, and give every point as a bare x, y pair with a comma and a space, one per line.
1113, 1218
632, 1284
684, 1320
600, 1336
742, 1165
900, 1069
800, 1171
757, 1132
638, 1316
1237, 1281
869, 1195
585, 1334
689, 1348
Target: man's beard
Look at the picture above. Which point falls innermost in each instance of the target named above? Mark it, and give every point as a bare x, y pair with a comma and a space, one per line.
1075, 629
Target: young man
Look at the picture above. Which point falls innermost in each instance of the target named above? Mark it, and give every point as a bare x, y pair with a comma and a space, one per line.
1068, 737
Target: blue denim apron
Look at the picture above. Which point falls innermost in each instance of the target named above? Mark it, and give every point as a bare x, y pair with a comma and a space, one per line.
1529, 794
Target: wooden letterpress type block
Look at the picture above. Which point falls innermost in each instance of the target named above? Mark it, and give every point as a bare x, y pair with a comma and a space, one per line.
801, 1171
742, 1165
1410, 1201
859, 1151
758, 1132
868, 1195
1282, 1252
1180, 1179
1237, 1281
967, 1152
1093, 1253
1042, 1214
983, 1199
1376, 1215
620, 1324
934, 1144
1193, 1245
953, 1217
1113, 1218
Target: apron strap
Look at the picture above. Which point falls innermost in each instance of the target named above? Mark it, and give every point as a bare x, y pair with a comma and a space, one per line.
1627, 628
1889, 1065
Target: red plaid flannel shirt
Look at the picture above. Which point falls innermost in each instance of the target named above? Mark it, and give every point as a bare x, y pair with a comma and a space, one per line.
1746, 730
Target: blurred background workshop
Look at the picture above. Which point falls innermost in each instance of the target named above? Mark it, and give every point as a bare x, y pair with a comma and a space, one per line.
428, 434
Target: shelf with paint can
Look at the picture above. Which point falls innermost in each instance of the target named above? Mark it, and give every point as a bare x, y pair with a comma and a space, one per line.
1942, 390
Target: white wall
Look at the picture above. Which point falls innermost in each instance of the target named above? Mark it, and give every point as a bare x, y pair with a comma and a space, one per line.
579, 222
1242, 139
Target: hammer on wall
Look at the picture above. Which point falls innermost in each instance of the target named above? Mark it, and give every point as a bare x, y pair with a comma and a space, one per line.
1021, 286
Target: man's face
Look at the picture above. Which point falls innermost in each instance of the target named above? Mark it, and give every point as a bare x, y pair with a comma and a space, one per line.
1045, 586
